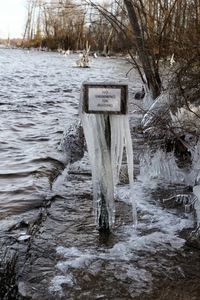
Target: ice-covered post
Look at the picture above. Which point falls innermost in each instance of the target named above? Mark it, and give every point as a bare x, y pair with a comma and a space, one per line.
99, 103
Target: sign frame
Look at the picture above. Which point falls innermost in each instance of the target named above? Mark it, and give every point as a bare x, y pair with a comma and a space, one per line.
123, 97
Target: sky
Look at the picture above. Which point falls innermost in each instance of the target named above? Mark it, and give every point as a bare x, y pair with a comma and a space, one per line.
13, 14
12, 18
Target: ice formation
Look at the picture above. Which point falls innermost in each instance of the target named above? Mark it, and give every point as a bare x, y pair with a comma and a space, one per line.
196, 191
189, 119
195, 179
106, 158
73, 143
158, 110
160, 165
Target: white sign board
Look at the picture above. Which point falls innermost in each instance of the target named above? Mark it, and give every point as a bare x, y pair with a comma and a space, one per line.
104, 99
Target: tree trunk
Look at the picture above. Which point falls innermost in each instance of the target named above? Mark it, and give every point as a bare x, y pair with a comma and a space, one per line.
146, 55
106, 48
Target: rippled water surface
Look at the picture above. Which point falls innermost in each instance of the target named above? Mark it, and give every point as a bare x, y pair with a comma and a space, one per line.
61, 255
39, 98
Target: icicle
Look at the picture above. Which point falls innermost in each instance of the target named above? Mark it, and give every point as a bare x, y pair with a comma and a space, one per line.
121, 137
106, 162
117, 145
129, 154
94, 128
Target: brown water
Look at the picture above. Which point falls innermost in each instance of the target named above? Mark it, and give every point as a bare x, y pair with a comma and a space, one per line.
64, 256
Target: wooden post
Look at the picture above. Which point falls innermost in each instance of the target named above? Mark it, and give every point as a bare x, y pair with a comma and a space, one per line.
103, 221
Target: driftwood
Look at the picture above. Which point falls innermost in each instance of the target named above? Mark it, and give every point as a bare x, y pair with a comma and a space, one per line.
84, 61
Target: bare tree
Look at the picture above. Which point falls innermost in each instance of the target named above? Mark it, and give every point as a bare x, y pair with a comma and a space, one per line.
146, 56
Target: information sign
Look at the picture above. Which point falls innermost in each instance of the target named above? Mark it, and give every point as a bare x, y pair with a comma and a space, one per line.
105, 98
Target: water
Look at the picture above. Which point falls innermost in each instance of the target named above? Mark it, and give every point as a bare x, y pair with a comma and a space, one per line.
33, 105
60, 253
39, 99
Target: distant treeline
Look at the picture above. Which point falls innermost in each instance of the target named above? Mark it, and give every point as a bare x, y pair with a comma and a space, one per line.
168, 26
11, 42
66, 25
